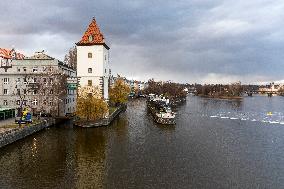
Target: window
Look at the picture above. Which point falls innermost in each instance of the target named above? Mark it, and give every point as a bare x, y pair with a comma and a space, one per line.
51, 91
44, 80
25, 80
34, 92
6, 80
51, 80
25, 91
18, 102
90, 83
90, 55
18, 91
18, 69
34, 69
34, 80
5, 103
105, 57
25, 69
90, 70
90, 38
105, 70
34, 102
5, 91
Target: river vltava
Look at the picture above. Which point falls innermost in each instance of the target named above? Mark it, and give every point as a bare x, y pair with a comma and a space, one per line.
215, 144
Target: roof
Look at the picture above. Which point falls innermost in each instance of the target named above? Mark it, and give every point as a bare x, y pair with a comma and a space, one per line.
40, 56
10, 54
92, 36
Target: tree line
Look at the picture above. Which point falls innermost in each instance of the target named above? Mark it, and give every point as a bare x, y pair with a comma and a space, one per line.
168, 89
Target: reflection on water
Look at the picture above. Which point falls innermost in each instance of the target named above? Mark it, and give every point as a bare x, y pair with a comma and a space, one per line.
215, 144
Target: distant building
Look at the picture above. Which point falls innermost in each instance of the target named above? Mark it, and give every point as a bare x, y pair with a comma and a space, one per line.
93, 60
272, 87
32, 82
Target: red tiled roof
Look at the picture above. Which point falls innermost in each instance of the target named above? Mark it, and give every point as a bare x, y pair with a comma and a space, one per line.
92, 36
7, 54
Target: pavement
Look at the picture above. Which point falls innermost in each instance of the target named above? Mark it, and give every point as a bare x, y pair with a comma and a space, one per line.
6, 122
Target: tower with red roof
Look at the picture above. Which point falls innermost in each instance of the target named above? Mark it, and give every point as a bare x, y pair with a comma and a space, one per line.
93, 59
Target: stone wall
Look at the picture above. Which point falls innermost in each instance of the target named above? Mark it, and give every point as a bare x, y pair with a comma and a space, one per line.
11, 135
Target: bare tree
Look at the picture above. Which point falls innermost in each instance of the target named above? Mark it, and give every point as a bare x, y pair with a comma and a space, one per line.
71, 58
52, 90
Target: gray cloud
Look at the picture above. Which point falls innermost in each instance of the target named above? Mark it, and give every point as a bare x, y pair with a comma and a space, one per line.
185, 41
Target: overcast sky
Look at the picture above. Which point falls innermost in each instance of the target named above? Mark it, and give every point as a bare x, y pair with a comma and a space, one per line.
203, 41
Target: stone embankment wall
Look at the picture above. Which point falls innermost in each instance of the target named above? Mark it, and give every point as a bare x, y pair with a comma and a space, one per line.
104, 121
10, 135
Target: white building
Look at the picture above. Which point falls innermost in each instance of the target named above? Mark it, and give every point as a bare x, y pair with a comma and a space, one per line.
93, 60
38, 83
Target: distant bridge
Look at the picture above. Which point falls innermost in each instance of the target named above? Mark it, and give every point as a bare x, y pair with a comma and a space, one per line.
268, 92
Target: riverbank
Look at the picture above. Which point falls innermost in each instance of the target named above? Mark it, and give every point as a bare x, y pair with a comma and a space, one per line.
12, 132
101, 122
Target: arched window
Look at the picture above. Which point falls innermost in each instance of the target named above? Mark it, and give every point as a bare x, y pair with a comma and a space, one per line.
90, 38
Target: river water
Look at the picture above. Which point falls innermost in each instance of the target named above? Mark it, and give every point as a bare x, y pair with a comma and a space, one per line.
215, 144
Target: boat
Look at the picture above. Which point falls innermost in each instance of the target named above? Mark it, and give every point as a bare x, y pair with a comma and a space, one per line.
161, 110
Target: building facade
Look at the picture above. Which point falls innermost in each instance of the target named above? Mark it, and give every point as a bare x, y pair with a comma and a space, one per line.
38, 83
93, 60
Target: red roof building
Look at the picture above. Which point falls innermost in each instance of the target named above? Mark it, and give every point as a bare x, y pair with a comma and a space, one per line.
92, 36
10, 54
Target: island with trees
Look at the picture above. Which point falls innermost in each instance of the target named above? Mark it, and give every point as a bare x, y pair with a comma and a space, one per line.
230, 91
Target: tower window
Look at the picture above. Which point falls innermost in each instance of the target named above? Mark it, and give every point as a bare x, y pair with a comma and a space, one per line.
90, 70
90, 55
90, 83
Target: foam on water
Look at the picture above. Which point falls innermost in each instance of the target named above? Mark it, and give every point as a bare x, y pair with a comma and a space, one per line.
224, 117
213, 116
276, 118
234, 118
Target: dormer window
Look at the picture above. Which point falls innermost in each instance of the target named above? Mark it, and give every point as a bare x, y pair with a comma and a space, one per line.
90, 55
90, 38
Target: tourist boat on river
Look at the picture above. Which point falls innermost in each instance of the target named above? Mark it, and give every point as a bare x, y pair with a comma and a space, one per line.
160, 109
